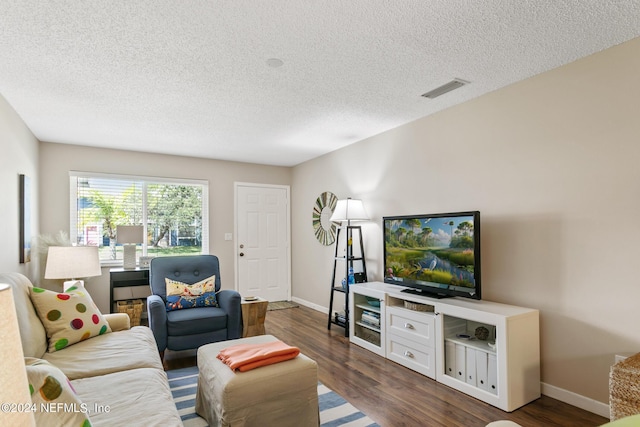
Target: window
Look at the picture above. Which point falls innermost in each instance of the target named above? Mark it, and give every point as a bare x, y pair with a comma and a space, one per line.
174, 213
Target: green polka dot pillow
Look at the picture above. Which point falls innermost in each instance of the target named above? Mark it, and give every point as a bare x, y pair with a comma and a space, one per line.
68, 317
56, 401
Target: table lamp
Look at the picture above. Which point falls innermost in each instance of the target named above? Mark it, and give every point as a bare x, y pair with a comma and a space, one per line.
129, 236
349, 210
14, 386
71, 263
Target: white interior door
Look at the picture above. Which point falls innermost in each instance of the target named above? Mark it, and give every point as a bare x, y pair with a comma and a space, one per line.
263, 241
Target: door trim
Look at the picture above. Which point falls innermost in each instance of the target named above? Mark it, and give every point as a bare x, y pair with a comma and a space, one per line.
287, 189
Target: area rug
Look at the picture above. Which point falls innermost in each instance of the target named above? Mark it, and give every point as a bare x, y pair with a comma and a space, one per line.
280, 305
334, 410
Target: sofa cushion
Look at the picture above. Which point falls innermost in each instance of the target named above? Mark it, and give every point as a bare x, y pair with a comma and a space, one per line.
32, 333
51, 389
69, 317
196, 321
117, 351
136, 397
182, 295
118, 321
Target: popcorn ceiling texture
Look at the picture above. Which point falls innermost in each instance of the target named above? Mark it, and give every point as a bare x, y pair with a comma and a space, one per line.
191, 77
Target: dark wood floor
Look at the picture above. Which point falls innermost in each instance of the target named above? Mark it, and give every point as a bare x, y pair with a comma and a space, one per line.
390, 394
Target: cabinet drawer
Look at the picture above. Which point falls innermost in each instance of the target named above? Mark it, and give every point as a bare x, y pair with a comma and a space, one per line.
419, 358
417, 327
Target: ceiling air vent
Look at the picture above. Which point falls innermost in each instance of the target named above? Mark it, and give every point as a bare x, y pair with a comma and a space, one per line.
447, 87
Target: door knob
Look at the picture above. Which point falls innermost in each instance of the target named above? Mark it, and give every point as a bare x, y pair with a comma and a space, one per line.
241, 253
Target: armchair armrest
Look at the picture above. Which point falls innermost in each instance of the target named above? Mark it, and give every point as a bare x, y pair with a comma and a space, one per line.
229, 300
118, 321
157, 312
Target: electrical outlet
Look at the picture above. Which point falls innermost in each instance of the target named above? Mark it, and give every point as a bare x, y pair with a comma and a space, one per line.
228, 236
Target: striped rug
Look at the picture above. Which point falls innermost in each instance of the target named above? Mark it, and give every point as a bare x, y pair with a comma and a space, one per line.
334, 410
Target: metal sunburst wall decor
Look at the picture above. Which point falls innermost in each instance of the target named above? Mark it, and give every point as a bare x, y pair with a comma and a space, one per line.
323, 228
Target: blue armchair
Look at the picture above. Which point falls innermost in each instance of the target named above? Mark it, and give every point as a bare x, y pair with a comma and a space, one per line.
190, 328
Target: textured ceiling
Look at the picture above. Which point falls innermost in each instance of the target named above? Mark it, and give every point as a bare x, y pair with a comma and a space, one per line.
191, 77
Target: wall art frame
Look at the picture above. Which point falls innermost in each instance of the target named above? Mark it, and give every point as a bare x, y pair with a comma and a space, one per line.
25, 218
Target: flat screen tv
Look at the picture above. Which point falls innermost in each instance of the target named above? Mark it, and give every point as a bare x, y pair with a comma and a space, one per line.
435, 255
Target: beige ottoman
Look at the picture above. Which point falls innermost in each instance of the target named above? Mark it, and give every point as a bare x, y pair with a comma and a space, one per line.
282, 394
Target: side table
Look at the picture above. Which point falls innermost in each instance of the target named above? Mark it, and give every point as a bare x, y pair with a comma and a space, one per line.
125, 278
253, 315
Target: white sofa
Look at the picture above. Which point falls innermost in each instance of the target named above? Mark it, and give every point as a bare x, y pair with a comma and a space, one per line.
120, 370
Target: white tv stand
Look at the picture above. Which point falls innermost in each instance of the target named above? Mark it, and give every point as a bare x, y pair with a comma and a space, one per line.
437, 338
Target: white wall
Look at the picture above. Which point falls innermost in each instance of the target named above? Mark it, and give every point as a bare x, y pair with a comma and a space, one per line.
18, 155
54, 193
552, 164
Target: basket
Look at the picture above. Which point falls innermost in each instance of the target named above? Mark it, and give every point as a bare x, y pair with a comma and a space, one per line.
133, 308
417, 306
624, 388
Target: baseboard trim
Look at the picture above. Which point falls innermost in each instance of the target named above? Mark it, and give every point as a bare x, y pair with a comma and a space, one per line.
554, 392
576, 400
311, 305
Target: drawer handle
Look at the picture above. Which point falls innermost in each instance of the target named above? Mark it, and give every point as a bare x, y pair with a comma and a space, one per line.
407, 353
408, 326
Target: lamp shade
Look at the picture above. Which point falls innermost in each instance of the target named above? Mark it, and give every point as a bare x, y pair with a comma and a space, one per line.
349, 210
14, 387
130, 234
72, 262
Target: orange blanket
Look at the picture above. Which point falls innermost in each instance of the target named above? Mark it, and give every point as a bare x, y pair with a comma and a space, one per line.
243, 357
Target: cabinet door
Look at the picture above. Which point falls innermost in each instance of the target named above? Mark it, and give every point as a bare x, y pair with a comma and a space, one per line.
368, 334
481, 370
471, 366
492, 373
461, 364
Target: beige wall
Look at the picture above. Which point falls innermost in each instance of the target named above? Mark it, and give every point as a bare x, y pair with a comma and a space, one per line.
552, 164
59, 159
18, 155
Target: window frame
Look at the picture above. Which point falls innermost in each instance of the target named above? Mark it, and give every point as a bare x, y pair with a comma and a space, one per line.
145, 180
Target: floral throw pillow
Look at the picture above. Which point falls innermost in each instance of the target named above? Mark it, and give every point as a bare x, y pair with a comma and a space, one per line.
68, 317
181, 295
55, 400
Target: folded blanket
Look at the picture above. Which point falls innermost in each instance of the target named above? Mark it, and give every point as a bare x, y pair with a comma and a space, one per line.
243, 357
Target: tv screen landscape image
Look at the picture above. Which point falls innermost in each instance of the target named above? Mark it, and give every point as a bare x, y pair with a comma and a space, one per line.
437, 255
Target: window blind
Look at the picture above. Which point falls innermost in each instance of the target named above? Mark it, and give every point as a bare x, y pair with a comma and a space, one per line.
173, 212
